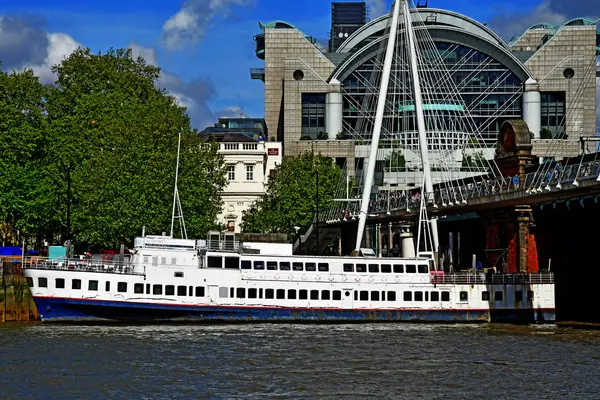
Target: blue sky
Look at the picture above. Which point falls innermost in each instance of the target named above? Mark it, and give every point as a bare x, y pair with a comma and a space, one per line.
213, 67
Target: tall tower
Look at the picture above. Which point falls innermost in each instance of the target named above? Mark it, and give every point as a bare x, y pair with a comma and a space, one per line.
346, 18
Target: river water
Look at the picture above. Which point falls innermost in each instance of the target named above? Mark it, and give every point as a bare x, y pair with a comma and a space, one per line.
298, 361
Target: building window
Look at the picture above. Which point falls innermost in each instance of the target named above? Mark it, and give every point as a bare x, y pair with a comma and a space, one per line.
249, 172
553, 115
231, 172
313, 114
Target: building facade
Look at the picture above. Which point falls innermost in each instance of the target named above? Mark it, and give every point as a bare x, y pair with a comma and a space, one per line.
249, 163
314, 98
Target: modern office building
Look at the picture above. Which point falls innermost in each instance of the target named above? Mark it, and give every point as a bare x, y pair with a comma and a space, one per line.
249, 161
346, 18
547, 77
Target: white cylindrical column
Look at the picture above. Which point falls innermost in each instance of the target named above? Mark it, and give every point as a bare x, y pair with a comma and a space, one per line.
532, 107
333, 113
407, 242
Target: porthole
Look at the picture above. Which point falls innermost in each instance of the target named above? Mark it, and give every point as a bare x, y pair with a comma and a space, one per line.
298, 75
347, 293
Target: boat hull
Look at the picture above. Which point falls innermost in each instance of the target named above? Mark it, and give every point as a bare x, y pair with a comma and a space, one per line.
55, 309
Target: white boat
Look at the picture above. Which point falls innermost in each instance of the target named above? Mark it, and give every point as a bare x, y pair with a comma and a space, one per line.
169, 279
219, 279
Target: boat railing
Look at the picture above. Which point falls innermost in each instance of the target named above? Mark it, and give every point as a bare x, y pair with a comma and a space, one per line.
114, 265
493, 279
221, 245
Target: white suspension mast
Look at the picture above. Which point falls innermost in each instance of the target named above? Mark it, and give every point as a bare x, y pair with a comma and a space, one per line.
412, 55
372, 160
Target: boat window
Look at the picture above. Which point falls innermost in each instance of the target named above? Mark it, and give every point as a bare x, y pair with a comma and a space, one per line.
348, 267
407, 296
435, 296
93, 285
325, 295
398, 269
519, 295
418, 296
59, 283
163, 260
323, 267
498, 296
200, 291
259, 265
445, 296
314, 295
223, 292
43, 282
107, 286
181, 290
173, 260
170, 290
157, 289
297, 266
232, 262
178, 274
311, 267
284, 266
391, 296
303, 294
146, 259
155, 260
426, 296
272, 265
530, 295
190, 291
423, 269
138, 288
76, 284
252, 293
122, 287
374, 296
386, 268
382, 295
281, 293
364, 295
355, 295
241, 293
361, 267
246, 264
215, 262
373, 268
260, 293
411, 269
231, 292
292, 294
269, 293
337, 295
485, 295
147, 288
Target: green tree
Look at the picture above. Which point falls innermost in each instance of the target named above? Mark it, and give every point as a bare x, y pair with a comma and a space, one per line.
395, 160
25, 198
113, 141
546, 133
290, 198
475, 161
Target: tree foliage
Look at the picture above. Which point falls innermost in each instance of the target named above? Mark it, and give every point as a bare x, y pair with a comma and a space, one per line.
290, 198
474, 161
395, 160
105, 147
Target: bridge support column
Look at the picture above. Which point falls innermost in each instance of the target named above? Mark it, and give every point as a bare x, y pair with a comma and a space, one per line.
524, 219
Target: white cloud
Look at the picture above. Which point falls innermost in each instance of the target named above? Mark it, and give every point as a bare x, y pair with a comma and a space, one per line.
188, 25
60, 46
230, 112
377, 8
147, 53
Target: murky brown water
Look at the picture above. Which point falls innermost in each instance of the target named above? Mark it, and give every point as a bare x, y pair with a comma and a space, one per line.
298, 361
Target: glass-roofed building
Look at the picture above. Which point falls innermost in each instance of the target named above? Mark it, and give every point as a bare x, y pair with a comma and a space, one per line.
315, 100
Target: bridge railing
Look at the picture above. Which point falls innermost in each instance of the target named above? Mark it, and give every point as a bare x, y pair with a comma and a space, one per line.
447, 195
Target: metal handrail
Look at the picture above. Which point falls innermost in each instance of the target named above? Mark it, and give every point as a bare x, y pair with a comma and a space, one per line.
494, 279
118, 266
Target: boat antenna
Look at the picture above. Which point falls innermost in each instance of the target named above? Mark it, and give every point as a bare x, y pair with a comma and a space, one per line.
176, 200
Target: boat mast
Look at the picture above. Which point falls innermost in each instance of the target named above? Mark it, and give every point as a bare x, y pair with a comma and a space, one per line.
176, 200
372, 160
412, 55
